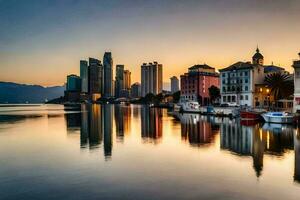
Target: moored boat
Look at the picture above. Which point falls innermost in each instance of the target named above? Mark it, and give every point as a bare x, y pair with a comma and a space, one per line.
250, 114
190, 106
278, 117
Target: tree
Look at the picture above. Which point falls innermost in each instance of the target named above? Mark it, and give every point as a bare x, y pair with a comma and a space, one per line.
281, 84
214, 93
176, 96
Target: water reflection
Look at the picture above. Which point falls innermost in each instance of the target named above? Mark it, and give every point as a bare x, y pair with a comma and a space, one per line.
123, 121
198, 130
252, 140
297, 156
151, 124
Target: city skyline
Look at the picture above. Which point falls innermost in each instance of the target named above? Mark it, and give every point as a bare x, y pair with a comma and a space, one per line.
178, 34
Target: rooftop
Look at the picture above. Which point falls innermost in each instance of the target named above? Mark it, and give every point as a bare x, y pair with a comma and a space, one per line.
238, 66
204, 66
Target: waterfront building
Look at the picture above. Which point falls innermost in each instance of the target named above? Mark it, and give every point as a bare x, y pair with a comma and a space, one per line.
73, 83
95, 78
73, 88
84, 73
107, 75
127, 79
119, 80
195, 83
174, 84
239, 79
296, 66
135, 90
151, 78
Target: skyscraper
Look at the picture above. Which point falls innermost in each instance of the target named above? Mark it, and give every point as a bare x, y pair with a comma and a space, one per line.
127, 79
174, 84
151, 78
95, 78
135, 90
107, 75
119, 81
84, 72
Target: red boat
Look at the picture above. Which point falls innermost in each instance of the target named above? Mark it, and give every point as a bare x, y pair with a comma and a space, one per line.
250, 115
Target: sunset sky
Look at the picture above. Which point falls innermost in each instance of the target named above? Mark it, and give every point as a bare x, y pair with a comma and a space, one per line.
41, 41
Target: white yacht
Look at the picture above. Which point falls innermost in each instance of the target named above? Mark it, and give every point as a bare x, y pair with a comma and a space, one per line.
190, 106
278, 117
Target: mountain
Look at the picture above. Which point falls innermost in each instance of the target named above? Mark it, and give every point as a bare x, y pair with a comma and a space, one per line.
22, 93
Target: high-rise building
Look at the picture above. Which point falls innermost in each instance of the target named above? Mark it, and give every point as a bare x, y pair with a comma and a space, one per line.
107, 75
151, 78
119, 81
174, 84
73, 83
95, 78
127, 79
296, 66
135, 90
84, 73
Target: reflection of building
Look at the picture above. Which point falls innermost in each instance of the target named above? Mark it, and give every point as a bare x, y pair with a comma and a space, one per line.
174, 84
152, 79
273, 139
122, 120
152, 124
237, 138
73, 121
91, 125
297, 155
296, 66
107, 129
195, 83
198, 131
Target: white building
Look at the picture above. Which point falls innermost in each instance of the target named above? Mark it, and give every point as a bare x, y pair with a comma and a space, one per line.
238, 81
151, 78
174, 84
296, 66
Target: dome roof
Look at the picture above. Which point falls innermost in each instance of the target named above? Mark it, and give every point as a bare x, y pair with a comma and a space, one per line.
257, 55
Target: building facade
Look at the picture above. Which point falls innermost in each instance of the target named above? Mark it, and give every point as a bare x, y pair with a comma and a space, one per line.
127, 79
238, 81
73, 83
151, 78
95, 78
296, 66
119, 80
107, 75
135, 90
195, 83
174, 84
84, 73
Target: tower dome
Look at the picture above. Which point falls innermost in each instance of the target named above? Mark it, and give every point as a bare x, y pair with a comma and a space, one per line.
258, 58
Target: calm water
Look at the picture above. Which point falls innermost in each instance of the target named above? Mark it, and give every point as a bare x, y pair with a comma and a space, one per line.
133, 152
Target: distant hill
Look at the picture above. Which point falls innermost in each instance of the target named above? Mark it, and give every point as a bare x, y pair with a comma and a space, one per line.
22, 93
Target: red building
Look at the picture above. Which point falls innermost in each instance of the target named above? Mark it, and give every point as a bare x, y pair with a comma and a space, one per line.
195, 83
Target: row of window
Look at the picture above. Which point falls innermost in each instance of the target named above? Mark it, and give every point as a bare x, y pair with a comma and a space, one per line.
231, 74
233, 98
235, 89
235, 81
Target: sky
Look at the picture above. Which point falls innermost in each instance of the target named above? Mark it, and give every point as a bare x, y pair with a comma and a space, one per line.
42, 41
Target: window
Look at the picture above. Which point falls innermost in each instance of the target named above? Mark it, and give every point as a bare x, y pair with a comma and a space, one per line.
224, 98
246, 80
223, 75
246, 88
233, 98
246, 73
229, 99
246, 97
242, 97
224, 89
